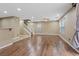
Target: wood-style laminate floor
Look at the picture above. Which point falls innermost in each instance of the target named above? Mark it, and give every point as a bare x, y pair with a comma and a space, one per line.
39, 45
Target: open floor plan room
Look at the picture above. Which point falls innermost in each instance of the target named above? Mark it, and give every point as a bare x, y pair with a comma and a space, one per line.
39, 29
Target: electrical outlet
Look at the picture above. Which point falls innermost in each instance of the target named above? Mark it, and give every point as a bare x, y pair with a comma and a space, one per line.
69, 39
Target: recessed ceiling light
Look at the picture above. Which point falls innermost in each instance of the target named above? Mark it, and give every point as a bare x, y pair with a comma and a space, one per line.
19, 9
5, 12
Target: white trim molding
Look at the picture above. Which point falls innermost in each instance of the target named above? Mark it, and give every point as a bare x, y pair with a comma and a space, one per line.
44, 34
68, 43
6, 45
9, 42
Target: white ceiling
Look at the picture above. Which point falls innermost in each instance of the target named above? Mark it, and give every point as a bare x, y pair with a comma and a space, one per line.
34, 10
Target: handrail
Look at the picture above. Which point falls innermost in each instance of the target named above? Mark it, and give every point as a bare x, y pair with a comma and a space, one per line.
27, 31
26, 28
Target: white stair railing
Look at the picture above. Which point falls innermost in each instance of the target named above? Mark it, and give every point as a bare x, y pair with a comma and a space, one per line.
27, 29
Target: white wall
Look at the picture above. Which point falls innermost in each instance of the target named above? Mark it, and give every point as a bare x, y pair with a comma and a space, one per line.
46, 27
6, 23
70, 24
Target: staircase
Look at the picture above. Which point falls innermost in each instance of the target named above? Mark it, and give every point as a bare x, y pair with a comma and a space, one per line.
26, 29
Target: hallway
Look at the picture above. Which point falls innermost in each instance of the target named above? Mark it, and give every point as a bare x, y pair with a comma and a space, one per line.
37, 45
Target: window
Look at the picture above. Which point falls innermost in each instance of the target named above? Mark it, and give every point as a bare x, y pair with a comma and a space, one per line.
62, 25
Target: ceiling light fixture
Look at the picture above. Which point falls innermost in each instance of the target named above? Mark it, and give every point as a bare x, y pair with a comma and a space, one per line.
5, 12
19, 9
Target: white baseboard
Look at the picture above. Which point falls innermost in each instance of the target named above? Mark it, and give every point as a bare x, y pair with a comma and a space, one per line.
6, 45
9, 42
68, 43
44, 34
40, 34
